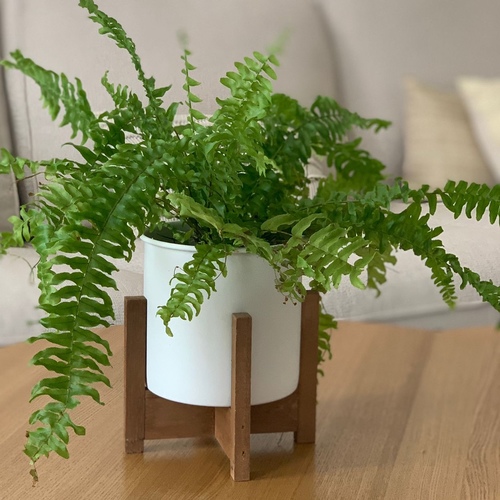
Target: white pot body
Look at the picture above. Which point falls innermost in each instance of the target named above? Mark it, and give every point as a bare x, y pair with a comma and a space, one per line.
194, 366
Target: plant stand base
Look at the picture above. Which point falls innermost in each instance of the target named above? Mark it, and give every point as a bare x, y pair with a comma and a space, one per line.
148, 416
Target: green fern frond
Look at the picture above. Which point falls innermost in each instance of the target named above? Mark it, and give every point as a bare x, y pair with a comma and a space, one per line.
294, 134
58, 91
114, 30
77, 300
10, 163
377, 266
409, 230
325, 255
326, 324
197, 277
238, 116
471, 198
187, 208
192, 98
356, 169
243, 237
22, 229
343, 120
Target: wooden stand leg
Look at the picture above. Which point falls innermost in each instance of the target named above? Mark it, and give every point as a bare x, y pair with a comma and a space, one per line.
308, 378
232, 425
135, 373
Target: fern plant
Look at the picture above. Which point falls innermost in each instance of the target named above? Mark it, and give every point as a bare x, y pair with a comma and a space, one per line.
235, 179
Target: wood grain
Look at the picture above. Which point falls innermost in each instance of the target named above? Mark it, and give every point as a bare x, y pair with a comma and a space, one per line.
308, 381
135, 373
403, 414
232, 425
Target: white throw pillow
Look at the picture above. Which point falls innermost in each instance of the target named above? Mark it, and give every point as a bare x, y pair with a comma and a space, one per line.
438, 140
481, 97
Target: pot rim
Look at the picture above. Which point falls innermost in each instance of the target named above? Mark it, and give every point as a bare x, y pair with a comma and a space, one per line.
181, 247
167, 244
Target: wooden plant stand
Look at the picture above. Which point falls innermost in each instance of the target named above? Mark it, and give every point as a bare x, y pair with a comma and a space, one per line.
148, 416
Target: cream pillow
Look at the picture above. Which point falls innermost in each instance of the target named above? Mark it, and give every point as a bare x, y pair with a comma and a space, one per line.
481, 97
438, 141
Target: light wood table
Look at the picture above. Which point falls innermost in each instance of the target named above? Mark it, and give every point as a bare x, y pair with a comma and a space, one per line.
402, 414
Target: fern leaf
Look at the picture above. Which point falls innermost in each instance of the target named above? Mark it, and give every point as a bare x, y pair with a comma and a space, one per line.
239, 115
113, 29
197, 276
242, 237
72, 310
323, 256
188, 208
57, 91
472, 197
192, 98
326, 324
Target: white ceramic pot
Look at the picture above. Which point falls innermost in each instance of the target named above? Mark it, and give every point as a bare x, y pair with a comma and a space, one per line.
194, 366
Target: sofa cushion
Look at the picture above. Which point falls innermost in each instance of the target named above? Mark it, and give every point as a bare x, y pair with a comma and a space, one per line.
481, 97
438, 141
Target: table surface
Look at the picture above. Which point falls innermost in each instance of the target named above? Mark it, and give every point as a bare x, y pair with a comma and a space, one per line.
402, 414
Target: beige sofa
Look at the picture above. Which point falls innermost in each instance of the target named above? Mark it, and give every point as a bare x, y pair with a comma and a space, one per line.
359, 52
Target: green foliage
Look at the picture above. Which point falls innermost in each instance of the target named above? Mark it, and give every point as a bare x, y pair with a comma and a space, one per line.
57, 91
113, 29
472, 197
326, 325
234, 180
197, 276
